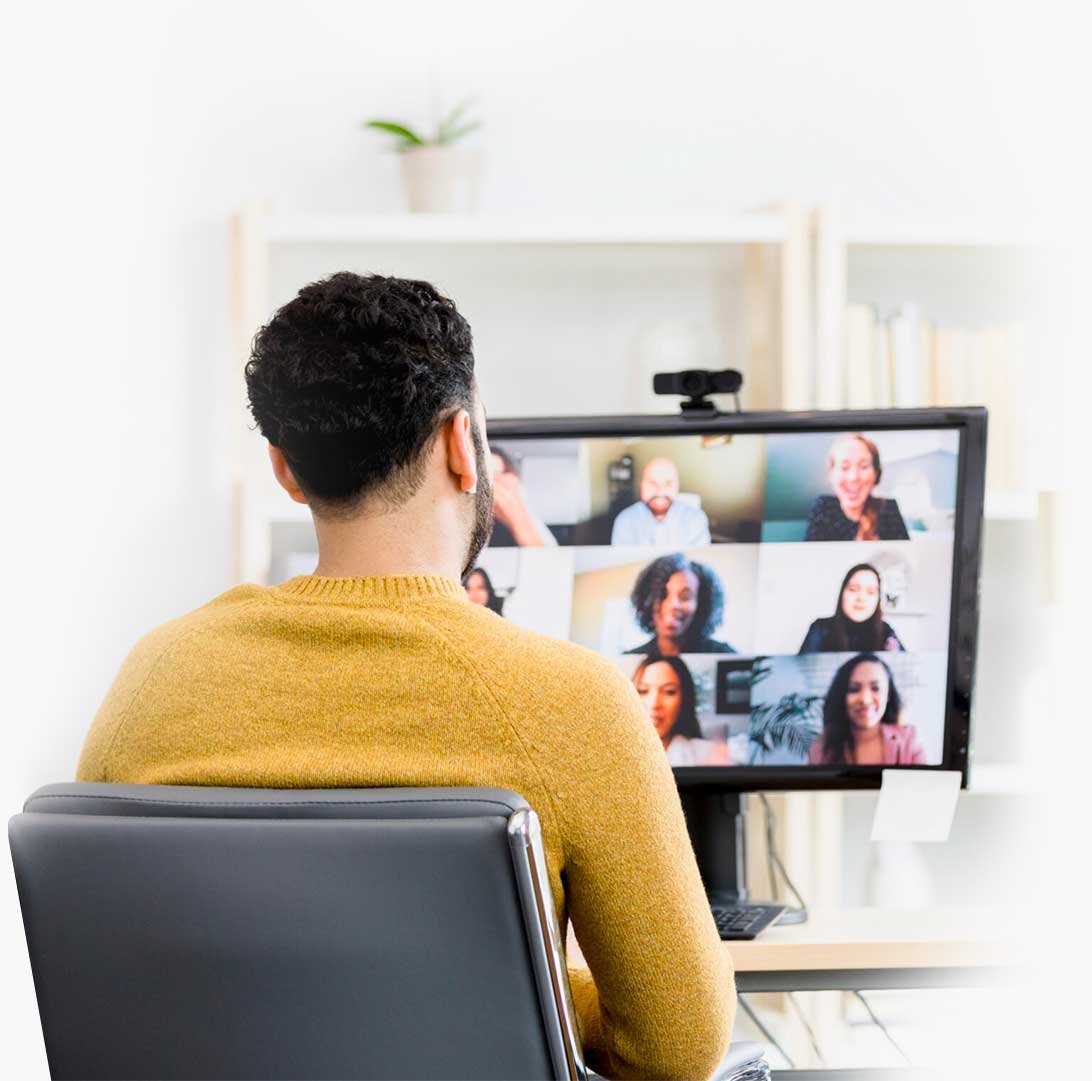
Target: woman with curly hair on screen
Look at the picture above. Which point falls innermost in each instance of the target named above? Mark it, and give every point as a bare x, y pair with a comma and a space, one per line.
862, 719
681, 602
666, 690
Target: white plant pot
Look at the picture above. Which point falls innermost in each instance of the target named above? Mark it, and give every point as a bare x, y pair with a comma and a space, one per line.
439, 179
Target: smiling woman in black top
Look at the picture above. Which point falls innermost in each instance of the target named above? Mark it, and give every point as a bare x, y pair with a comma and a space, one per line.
857, 625
853, 512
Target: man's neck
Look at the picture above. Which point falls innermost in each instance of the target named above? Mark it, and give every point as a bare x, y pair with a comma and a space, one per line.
384, 543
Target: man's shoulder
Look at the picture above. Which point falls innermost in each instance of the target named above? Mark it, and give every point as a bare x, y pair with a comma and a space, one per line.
523, 663
223, 606
534, 649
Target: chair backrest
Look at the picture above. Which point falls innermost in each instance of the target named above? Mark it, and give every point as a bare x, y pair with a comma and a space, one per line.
185, 932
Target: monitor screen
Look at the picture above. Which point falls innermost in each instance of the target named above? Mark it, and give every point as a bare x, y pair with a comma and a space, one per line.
784, 591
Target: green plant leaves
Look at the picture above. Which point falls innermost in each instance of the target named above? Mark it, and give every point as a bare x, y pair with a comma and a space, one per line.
399, 131
457, 133
793, 723
453, 127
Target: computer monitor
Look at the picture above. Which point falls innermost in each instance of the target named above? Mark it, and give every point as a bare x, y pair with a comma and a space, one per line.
794, 595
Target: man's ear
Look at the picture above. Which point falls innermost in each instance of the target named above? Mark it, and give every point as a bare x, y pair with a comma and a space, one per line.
285, 477
462, 460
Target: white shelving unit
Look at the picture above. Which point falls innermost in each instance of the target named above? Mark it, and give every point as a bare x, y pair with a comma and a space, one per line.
795, 281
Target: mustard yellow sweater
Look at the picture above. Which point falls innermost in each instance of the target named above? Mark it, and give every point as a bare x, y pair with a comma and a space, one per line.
371, 682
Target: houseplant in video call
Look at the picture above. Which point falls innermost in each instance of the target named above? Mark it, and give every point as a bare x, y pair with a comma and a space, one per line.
792, 722
438, 173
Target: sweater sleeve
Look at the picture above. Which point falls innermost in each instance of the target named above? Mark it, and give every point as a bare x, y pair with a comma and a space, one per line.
660, 1001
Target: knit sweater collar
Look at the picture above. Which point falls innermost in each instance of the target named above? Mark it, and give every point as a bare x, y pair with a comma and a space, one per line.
363, 590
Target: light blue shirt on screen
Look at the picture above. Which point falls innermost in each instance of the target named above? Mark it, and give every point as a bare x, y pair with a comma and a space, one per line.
682, 526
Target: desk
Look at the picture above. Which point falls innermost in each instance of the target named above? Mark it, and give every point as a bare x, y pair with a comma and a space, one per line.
874, 949
880, 949
866, 949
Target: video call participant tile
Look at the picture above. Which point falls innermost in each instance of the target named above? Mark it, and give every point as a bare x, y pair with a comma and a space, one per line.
860, 485
642, 601
848, 709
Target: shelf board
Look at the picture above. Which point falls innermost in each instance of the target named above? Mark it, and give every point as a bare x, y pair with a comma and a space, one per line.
884, 232
496, 229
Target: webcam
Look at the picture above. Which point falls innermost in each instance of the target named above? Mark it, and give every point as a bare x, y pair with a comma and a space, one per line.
696, 385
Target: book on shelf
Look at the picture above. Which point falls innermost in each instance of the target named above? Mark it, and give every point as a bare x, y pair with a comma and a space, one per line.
860, 356
902, 361
882, 396
907, 358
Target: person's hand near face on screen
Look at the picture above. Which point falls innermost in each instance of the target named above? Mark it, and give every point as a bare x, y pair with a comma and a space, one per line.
511, 510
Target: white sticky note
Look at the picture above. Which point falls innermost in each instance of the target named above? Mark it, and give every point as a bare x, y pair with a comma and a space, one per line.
916, 805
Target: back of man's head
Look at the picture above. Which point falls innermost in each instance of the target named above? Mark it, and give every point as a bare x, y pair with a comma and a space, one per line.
353, 378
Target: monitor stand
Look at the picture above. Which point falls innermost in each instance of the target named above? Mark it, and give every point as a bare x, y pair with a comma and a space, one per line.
716, 823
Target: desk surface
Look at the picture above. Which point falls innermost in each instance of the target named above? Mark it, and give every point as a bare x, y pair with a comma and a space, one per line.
874, 938
871, 938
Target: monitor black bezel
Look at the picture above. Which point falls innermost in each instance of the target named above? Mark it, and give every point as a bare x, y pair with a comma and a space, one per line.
966, 557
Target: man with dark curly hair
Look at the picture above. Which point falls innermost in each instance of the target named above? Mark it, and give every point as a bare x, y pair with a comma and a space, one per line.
681, 602
377, 670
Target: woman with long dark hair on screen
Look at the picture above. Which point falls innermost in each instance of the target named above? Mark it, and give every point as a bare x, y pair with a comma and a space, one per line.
479, 590
857, 625
853, 512
666, 690
862, 719
681, 602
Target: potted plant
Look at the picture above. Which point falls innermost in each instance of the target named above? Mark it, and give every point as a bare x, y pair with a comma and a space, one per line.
434, 172
792, 723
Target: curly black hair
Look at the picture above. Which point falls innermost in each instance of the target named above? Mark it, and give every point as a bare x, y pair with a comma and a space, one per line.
651, 588
353, 378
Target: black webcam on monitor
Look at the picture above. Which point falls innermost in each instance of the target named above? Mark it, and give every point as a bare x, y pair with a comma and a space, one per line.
696, 385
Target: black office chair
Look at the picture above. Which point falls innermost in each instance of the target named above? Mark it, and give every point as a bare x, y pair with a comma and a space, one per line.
189, 932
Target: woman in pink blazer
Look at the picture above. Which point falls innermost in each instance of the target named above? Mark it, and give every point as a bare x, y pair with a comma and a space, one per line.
861, 719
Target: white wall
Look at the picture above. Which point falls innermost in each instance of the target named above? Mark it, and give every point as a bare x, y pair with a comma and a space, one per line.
132, 130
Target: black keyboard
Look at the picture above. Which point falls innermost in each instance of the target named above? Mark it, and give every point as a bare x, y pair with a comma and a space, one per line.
744, 921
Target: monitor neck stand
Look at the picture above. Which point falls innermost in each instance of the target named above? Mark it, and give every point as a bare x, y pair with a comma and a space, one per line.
716, 823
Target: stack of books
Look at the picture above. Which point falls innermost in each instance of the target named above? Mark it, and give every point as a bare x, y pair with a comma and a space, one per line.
903, 362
